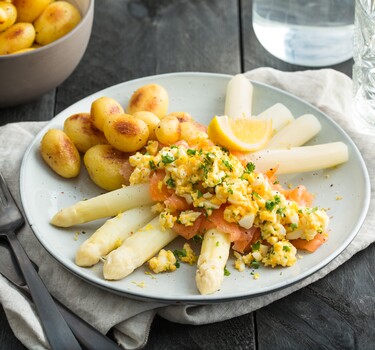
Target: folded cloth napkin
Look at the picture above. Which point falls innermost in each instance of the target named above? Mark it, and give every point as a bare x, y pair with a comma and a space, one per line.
327, 89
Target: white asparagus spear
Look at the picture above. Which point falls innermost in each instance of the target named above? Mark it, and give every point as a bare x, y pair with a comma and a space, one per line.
300, 159
136, 250
111, 235
297, 133
105, 205
212, 260
238, 100
279, 114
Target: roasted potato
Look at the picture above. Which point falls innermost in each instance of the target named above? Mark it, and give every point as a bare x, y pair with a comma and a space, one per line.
181, 116
168, 130
104, 163
126, 132
103, 108
8, 15
151, 120
59, 152
151, 98
82, 132
29, 10
57, 19
17, 37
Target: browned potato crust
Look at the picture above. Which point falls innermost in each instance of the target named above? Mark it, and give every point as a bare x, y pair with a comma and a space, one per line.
126, 132
103, 108
29, 10
59, 152
104, 164
151, 98
57, 19
181, 116
82, 132
17, 37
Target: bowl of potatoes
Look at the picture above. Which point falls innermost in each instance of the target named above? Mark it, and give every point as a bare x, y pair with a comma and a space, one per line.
41, 43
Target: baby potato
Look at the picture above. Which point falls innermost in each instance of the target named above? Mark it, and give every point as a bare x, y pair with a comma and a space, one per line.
104, 163
181, 116
57, 19
151, 120
151, 98
17, 37
168, 130
103, 108
8, 15
29, 10
59, 152
82, 132
126, 132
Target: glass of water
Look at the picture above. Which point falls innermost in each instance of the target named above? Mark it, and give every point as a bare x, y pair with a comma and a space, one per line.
311, 33
364, 66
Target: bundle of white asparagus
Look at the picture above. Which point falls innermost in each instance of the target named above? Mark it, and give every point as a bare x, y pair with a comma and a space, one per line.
129, 239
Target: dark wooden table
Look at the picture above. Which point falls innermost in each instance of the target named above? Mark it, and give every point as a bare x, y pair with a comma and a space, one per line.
136, 38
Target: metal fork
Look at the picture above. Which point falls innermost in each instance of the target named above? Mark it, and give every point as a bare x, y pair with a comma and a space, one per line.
56, 329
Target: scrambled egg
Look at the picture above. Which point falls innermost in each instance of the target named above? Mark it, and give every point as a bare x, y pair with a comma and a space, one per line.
211, 176
164, 262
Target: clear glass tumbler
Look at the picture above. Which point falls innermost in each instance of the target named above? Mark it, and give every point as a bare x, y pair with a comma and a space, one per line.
313, 33
364, 66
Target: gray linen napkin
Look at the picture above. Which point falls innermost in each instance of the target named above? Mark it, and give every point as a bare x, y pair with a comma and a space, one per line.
327, 89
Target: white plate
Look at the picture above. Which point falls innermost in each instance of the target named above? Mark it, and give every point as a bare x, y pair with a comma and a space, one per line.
202, 95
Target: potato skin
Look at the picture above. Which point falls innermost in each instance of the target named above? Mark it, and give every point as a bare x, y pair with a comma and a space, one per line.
126, 132
104, 163
82, 132
151, 98
17, 37
57, 19
103, 108
151, 120
59, 152
8, 15
168, 130
181, 116
29, 10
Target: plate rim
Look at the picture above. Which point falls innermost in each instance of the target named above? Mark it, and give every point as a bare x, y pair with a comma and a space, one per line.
206, 299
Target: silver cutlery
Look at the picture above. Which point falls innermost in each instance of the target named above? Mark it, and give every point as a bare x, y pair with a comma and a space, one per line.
57, 331
89, 337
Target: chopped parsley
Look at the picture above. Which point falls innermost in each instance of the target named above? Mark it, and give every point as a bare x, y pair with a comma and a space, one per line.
250, 167
152, 164
256, 246
286, 248
167, 158
191, 152
270, 205
228, 165
198, 238
170, 183
226, 271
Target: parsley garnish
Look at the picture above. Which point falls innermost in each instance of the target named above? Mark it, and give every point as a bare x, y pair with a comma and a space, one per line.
167, 159
256, 246
228, 165
226, 272
286, 248
152, 164
293, 226
198, 238
191, 152
170, 183
250, 167
255, 264
270, 205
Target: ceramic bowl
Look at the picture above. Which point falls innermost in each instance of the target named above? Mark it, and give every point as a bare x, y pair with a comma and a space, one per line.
28, 75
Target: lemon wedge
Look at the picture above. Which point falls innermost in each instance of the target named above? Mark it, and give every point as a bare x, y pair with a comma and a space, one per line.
240, 134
